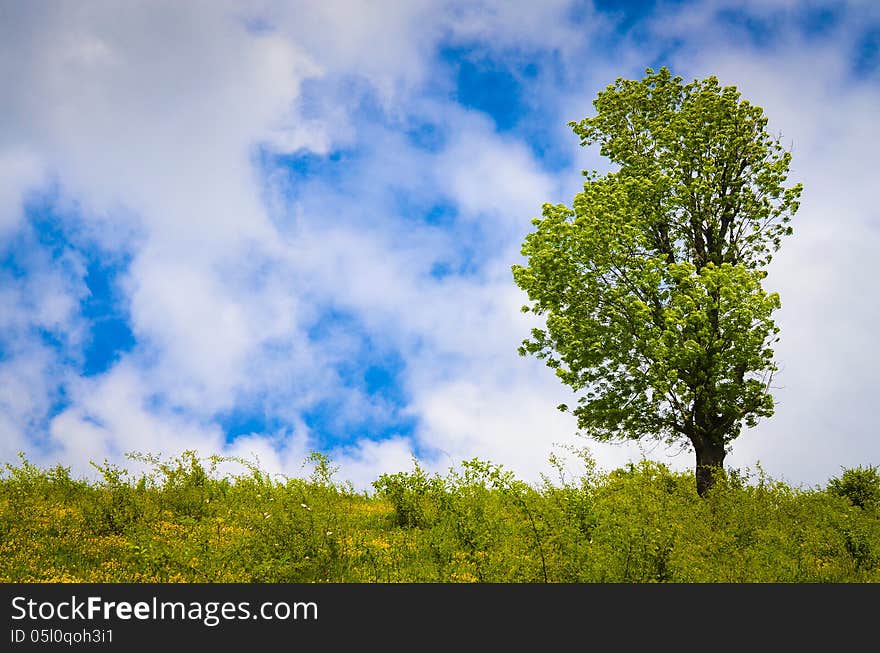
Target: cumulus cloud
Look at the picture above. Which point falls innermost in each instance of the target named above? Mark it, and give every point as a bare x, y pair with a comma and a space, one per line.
147, 119
293, 194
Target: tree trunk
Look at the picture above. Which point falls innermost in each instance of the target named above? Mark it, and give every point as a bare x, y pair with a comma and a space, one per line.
710, 464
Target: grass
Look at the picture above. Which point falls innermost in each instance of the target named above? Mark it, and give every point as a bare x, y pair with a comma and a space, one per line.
182, 521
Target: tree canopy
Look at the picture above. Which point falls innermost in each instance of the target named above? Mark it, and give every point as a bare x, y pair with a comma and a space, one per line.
650, 282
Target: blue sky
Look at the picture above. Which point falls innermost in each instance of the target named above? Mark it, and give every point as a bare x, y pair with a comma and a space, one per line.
262, 229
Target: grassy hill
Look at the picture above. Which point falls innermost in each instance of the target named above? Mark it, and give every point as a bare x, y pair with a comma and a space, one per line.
182, 521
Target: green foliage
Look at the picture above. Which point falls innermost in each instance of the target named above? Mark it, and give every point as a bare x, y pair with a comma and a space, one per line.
860, 485
413, 495
181, 521
650, 283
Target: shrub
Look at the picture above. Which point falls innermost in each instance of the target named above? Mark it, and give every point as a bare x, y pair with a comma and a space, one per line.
413, 496
645, 523
860, 485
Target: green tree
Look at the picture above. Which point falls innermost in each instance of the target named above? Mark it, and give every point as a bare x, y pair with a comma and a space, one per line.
651, 281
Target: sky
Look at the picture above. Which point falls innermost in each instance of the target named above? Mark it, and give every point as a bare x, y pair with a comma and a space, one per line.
261, 229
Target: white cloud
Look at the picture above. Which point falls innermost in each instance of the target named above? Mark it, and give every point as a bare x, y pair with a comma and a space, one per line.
525, 25
148, 117
487, 174
365, 461
110, 415
20, 171
150, 120
28, 381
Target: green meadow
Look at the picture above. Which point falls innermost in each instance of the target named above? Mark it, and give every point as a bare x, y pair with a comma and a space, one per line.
181, 520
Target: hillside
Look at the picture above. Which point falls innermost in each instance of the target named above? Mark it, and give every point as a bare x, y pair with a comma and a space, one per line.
185, 522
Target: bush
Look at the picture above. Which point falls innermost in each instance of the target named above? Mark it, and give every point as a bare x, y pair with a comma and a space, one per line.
414, 496
860, 485
180, 522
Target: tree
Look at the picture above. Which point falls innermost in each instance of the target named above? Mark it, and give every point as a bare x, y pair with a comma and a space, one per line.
651, 281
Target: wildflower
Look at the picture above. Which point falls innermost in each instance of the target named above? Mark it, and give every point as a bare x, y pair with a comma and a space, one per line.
266, 515
329, 532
